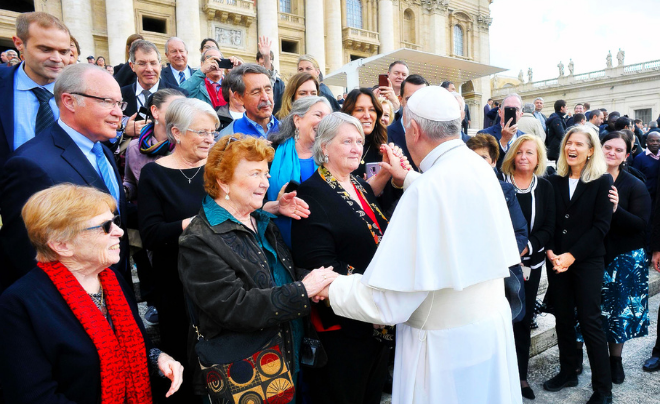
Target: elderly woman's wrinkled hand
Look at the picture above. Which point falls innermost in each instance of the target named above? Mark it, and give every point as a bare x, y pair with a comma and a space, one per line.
173, 370
318, 279
292, 206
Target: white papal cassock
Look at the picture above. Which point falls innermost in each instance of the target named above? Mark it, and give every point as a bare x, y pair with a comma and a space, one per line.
438, 274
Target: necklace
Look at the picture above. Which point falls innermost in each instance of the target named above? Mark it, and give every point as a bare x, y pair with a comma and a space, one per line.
190, 178
523, 190
365, 154
97, 298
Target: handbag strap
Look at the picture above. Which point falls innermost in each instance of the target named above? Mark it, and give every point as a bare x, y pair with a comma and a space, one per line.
194, 320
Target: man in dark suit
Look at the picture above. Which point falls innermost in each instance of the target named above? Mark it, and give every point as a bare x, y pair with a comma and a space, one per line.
70, 150
487, 121
508, 133
26, 90
178, 70
144, 59
396, 133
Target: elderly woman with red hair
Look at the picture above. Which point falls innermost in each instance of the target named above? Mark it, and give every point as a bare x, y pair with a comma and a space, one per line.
71, 331
239, 276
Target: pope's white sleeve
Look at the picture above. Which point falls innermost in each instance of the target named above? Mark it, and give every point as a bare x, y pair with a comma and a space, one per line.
410, 178
349, 297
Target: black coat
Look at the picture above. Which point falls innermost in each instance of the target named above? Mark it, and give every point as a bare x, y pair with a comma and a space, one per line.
124, 74
583, 221
128, 95
333, 235
50, 159
629, 222
46, 354
227, 276
556, 129
542, 230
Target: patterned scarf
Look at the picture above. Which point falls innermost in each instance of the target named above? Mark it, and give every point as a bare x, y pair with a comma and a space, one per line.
162, 148
124, 373
357, 208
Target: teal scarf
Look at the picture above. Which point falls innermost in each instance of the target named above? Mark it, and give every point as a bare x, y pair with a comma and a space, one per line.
285, 167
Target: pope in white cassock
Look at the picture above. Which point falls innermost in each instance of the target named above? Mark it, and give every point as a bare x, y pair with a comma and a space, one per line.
438, 273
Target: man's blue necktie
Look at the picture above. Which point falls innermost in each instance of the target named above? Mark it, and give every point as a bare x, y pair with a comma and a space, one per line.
182, 78
106, 171
45, 116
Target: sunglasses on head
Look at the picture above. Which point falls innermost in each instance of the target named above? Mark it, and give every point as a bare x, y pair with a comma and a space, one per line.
107, 225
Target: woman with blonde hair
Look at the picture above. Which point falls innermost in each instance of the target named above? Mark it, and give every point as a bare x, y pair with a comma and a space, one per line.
388, 111
299, 85
71, 330
524, 167
307, 63
576, 254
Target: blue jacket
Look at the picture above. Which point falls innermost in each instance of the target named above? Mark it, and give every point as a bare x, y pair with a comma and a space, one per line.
46, 355
496, 132
243, 126
196, 87
6, 113
50, 159
166, 74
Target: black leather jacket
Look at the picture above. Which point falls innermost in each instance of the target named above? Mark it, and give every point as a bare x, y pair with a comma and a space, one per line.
226, 275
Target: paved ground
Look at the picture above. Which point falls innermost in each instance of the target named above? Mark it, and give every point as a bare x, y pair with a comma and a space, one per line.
639, 387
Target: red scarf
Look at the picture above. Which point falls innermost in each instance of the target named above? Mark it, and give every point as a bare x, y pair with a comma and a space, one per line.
124, 373
216, 96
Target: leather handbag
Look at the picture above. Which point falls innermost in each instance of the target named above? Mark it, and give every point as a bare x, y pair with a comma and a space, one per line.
253, 371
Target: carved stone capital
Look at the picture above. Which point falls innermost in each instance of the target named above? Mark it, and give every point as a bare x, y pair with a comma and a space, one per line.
484, 21
435, 6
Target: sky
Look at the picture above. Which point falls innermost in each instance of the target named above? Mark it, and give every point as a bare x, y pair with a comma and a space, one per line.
540, 33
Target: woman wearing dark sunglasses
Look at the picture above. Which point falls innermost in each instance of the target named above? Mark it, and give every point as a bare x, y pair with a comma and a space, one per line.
70, 328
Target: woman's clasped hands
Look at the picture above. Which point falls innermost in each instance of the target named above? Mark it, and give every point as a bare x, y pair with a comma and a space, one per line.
318, 281
560, 262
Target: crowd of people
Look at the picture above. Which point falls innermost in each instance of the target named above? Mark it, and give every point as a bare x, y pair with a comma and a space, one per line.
283, 236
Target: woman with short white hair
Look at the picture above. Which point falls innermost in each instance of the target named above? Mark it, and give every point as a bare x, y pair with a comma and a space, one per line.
170, 193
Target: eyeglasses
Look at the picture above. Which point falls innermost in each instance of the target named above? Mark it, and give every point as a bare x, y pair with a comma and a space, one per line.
231, 139
107, 225
205, 133
108, 103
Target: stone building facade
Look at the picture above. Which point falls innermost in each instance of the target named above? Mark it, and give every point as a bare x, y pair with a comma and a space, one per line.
629, 89
334, 31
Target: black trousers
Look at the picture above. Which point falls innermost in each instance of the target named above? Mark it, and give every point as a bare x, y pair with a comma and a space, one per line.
521, 331
580, 288
355, 373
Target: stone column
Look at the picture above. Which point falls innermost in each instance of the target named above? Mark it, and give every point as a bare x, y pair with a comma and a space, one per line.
374, 15
77, 15
438, 30
314, 42
385, 21
121, 25
188, 29
334, 54
267, 19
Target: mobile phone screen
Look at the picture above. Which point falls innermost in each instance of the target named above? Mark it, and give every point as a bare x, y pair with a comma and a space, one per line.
372, 169
509, 112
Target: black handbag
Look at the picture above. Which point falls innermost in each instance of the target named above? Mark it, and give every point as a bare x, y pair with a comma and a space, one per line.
254, 370
312, 353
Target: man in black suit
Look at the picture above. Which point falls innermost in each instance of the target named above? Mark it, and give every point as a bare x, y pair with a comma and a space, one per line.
144, 59
70, 150
26, 90
396, 133
178, 70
